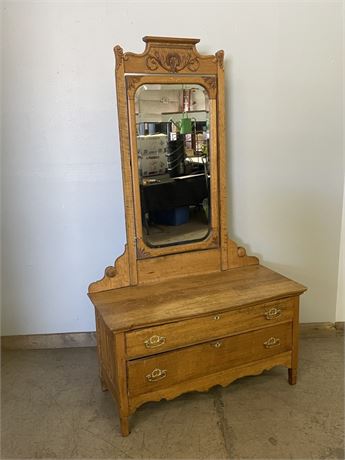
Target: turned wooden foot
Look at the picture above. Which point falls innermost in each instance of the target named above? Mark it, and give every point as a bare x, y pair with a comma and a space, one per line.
292, 376
124, 425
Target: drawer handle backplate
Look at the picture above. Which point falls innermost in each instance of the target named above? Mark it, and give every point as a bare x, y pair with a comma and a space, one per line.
273, 313
216, 344
272, 342
156, 374
154, 341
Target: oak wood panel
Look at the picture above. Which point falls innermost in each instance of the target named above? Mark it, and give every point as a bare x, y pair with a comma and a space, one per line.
178, 265
205, 359
192, 331
113, 370
295, 343
127, 180
172, 300
121, 379
214, 202
206, 382
105, 350
222, 168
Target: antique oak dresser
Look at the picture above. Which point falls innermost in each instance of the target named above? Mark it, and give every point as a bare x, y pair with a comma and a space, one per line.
183, 308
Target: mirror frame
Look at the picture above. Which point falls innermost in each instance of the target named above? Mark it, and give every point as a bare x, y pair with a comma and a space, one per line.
169, 59
212, 238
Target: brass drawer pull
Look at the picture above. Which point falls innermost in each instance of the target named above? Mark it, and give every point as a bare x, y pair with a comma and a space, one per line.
154, 341
272, 342
273, 313
156, 374
216, 317
216, 344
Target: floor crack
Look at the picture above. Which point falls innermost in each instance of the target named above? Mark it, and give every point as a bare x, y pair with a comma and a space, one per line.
222, 422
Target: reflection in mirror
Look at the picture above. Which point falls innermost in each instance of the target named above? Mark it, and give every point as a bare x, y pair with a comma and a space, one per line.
173, 145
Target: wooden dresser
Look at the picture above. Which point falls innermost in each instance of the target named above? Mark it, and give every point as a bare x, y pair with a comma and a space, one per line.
186, 316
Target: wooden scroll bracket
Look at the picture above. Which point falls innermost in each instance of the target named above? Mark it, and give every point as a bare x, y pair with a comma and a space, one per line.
118, 276
115, 276
237, 256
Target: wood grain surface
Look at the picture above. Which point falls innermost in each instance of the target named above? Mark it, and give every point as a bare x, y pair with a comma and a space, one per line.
142, 306
157, 339
207, 381
205, 359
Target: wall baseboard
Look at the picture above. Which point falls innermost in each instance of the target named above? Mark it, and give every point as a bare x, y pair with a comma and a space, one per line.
88, 339
313, 330
45, 341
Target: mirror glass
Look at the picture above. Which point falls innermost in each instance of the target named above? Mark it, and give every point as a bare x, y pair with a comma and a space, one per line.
173, 145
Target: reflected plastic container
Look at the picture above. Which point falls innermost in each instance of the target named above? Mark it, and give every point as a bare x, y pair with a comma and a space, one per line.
175, 216
175, 157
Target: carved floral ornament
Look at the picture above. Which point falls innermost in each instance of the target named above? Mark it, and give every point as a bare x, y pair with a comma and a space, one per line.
132, 83
141, 249
172, 61
214, 240
211, 82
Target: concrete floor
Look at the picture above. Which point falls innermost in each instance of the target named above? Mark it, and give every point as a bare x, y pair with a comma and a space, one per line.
53, 407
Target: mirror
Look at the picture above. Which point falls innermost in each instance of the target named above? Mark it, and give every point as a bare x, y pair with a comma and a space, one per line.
173, 146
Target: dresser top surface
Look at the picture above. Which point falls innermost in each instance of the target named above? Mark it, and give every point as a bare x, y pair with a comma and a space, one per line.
138, 306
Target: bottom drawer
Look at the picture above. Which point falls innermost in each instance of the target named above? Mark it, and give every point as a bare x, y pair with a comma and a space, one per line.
166, 369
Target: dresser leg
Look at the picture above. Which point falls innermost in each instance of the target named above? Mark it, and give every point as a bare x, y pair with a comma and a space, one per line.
292, 376
124, 425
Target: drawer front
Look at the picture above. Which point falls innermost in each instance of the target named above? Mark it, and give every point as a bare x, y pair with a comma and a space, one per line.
164, 370
148, 341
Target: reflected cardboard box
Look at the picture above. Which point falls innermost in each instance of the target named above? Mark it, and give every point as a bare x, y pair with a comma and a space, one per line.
152, 154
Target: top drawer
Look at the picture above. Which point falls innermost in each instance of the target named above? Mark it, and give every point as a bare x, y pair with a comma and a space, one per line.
148, 341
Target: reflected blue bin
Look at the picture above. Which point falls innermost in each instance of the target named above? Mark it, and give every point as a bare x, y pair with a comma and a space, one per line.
175, 216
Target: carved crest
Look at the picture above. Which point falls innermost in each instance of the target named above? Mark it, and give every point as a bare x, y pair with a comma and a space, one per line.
172, 61
168, 54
